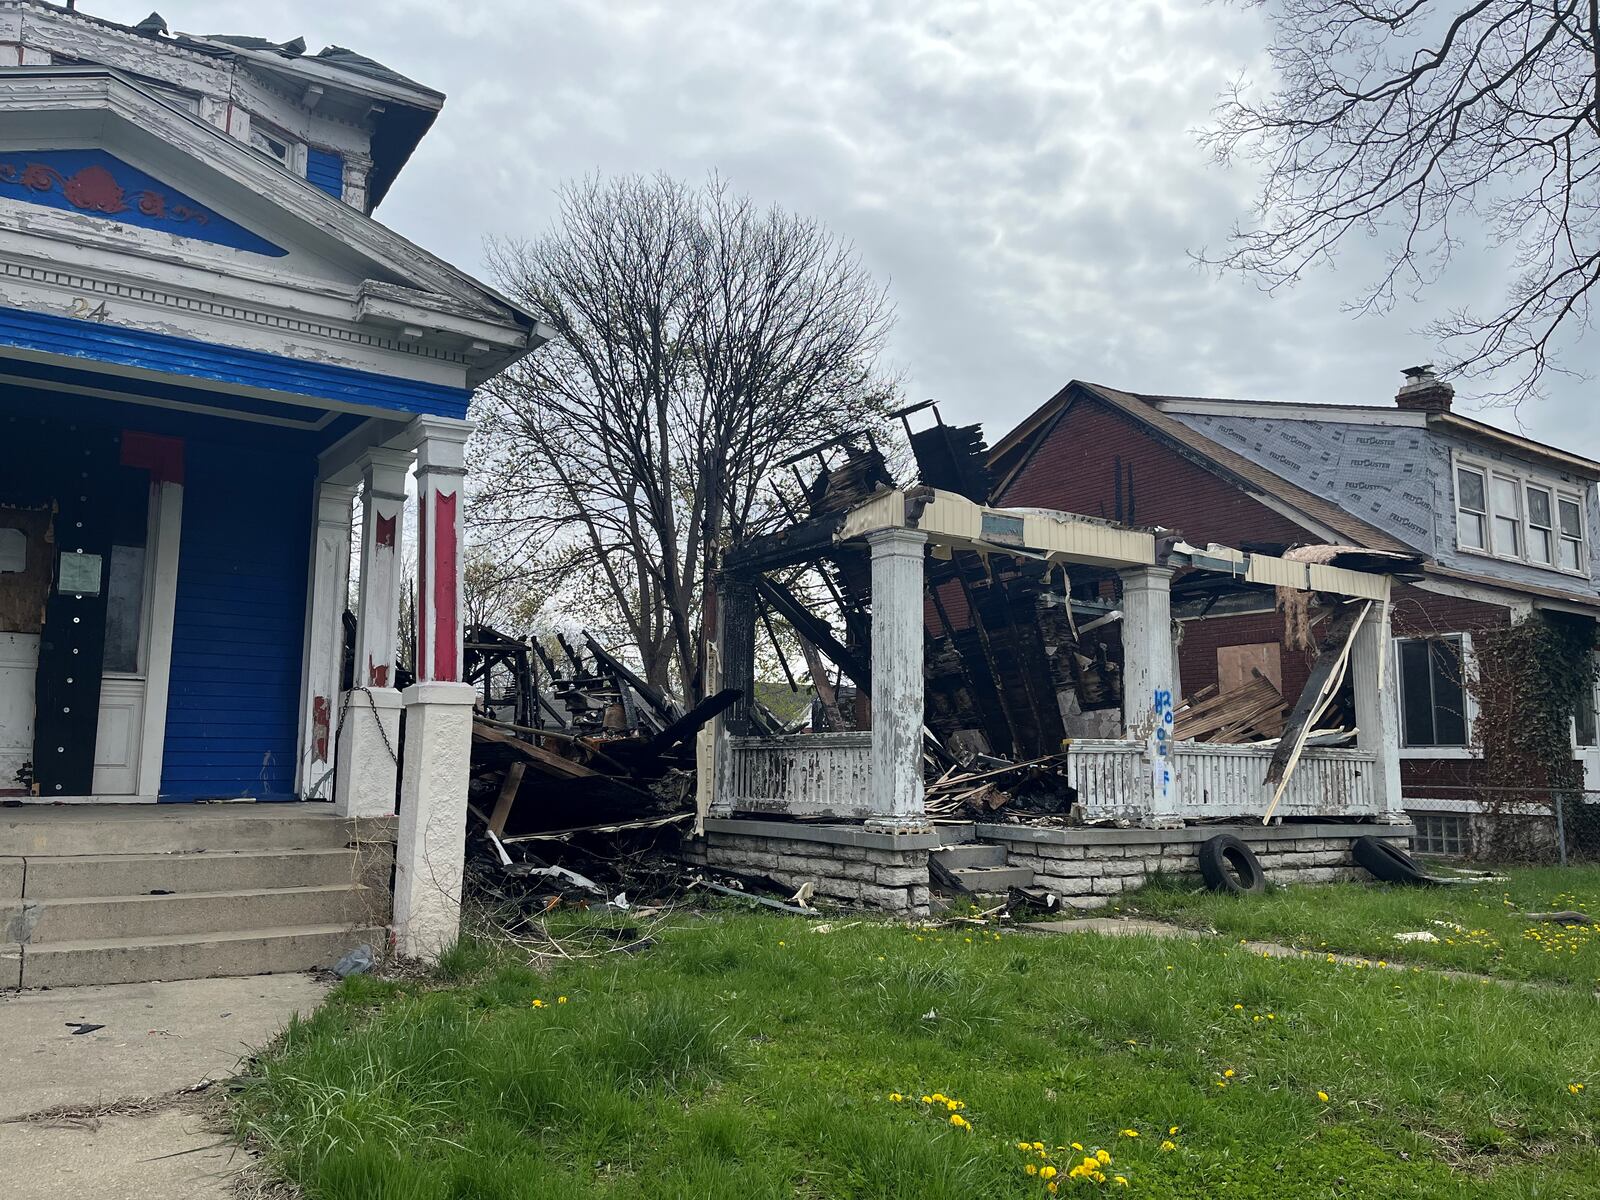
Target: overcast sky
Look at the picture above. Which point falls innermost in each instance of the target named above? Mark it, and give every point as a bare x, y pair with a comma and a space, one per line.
1024, 173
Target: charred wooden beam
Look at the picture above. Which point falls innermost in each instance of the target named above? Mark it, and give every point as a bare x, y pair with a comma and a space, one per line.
816, 631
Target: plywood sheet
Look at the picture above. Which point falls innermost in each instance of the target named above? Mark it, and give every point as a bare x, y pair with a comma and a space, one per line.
23, 593
1236, 665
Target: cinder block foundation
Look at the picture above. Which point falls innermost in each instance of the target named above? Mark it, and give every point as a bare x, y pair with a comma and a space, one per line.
847, 863
1089, 868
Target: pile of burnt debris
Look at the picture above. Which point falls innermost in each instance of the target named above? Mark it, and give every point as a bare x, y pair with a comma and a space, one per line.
586, 745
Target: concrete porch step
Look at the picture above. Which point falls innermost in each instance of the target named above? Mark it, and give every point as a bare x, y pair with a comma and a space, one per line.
181, 956
44, 830
45, 922
973, 854
91, 875
993, 879
956, 833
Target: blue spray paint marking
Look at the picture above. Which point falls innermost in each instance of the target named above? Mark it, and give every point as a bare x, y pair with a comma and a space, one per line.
1161, 765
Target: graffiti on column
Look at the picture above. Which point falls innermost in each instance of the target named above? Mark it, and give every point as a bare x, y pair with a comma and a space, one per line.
1161, 746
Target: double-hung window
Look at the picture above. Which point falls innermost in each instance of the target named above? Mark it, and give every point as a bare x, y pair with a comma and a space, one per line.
1511, 515
1433, 693
1472, 509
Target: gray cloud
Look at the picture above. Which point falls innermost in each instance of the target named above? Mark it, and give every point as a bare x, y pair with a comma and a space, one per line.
1024, 172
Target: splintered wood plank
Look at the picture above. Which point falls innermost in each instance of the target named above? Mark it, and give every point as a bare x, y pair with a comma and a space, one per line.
507, 797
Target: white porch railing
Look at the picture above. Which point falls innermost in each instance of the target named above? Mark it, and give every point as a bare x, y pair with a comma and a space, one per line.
829, 775
804, 775
1113, 780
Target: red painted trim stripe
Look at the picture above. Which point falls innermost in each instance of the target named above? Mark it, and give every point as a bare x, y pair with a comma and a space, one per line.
446, 621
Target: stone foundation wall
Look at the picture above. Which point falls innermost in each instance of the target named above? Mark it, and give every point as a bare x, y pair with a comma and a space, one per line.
847, 863
1089, 868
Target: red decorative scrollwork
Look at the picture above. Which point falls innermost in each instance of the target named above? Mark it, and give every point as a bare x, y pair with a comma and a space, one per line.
95, 189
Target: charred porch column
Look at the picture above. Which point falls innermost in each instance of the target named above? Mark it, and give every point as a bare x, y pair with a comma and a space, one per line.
368, 722
736, 659
430, 849
328, 593
1149, 681
1377, 712
897, 682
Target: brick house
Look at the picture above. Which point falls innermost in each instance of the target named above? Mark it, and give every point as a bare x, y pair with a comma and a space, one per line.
1503, 522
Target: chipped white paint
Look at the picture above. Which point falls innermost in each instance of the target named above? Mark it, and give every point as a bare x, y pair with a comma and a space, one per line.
431, 849
807, 774
369, 734
1112, 779
951, 520
1149, 678
327, 593
1377, 708
897, 679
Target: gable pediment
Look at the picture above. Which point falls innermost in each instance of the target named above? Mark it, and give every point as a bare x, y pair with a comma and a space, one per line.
190, 230
98, 184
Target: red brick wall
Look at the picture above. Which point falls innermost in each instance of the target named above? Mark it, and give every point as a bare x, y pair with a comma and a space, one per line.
1076, 470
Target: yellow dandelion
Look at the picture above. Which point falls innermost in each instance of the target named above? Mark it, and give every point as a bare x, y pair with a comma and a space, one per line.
1574, 1088
1323, 1096
561, 999
1169, 1145
1238, 1008
1037, 1146
1024, 1146
1228, 1074
896, 1097
1078, 1146
1130, 1133
1052, 1188
538, 1003
1173, 1131
1031, 1169
1101, 1157
927, 1099
1120, 1180
1047, 1172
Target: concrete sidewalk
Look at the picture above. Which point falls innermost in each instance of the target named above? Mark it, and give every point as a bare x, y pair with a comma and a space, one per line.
108, 1114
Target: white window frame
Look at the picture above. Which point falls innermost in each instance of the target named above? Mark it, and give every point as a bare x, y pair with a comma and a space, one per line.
1523, 479
1469, 668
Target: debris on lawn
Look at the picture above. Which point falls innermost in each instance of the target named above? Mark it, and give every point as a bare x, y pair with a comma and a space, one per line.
1419, 935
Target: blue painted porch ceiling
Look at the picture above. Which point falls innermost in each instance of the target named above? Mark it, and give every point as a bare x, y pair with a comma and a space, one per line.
97, 184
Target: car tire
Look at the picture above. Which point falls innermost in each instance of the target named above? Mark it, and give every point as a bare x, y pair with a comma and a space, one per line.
1228, 865
1388, 863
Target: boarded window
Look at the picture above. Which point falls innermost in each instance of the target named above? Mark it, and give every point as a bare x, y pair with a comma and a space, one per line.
1237, 665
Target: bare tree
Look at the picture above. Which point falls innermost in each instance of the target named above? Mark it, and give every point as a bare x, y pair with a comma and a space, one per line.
699, 341
1440, 126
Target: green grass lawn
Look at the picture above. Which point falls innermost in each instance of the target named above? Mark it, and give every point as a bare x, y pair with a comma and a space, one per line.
748, 1056
1478, 926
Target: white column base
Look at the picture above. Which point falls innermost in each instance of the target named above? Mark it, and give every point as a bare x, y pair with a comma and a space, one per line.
430, 856
365, 770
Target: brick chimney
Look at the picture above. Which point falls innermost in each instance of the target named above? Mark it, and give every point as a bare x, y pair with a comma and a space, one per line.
1423, 391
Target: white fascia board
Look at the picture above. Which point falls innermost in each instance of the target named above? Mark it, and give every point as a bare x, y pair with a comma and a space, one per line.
317, 321
76, 38
1271, 411
319, 215
382, 307
949, 519
287, 114
310, 69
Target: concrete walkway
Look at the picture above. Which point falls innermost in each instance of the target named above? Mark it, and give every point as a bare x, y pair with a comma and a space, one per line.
120, 1112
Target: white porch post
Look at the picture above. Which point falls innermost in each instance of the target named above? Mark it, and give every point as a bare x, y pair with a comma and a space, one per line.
1377, 711
327, 594
897, 684
1149, 679
430, 856
369, 738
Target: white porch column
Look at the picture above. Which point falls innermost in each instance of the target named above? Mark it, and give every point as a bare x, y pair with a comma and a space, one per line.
897, 685
328, 590
1149, 679
1372, 676
430, 856
441, 445
369, 739
431, 851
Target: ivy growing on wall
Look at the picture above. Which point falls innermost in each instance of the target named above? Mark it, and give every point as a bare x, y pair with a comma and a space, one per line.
1530, 679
